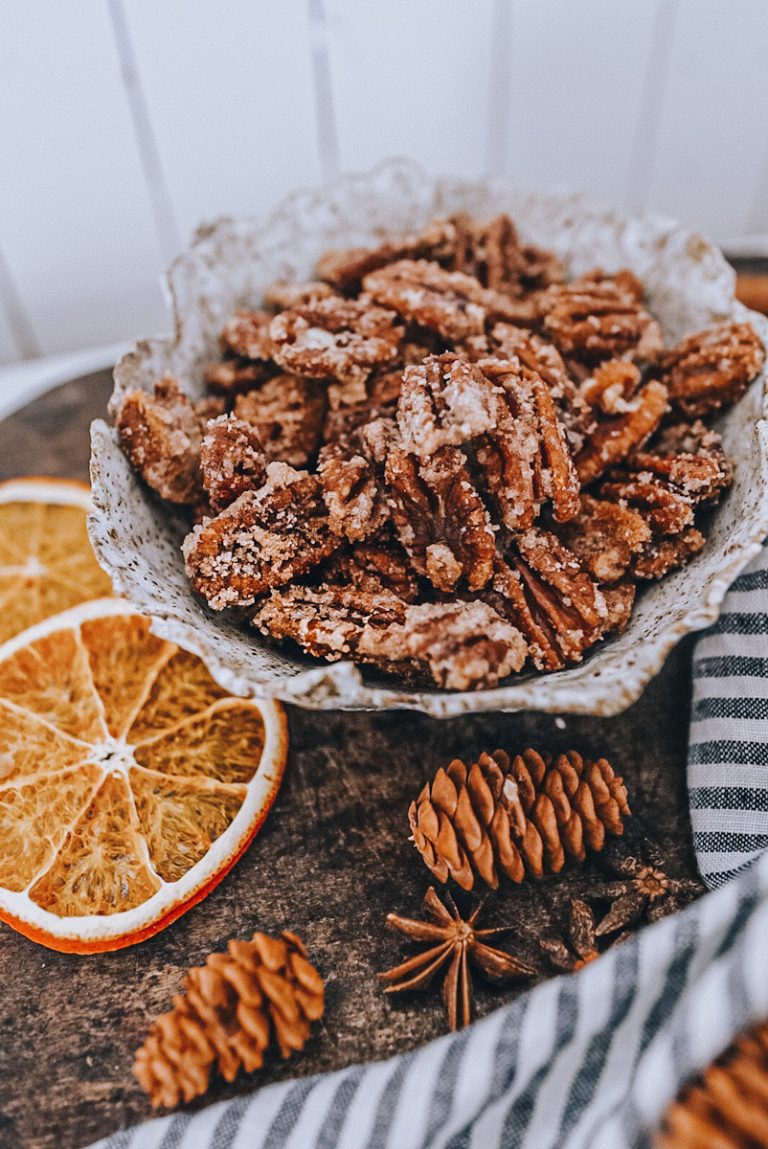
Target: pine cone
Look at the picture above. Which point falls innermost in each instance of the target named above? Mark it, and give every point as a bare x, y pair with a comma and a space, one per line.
727, 1105
520, 817
234, 1007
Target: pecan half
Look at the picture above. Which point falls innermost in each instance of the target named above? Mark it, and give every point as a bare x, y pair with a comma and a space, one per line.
543, 589
712, 368
440, 518
663, 554
283, 295
492, 252
264, 539
352, 487
605, 537
459, 646
345, 269
445, 401
246, 336
288, 412
525, 460
232, 460
615, 438
335, 338
449, 302
600, 317
161, 435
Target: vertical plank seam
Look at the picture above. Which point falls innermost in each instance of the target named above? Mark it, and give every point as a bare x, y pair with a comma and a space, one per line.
19, 323
325, 111
499, 88
163, 214
641, 168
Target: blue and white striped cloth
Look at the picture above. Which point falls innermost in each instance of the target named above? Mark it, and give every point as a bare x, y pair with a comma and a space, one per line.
587, 1061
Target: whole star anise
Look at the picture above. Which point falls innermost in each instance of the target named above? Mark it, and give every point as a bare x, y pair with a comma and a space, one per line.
643, 892
457, 944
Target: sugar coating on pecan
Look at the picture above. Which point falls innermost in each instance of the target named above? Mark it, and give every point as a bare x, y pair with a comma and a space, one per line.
375, 564
345, 269
611, 386
449, 302
161, 434
617, 437
545, 591
440, 518
712, 368
283, 295
246, 335
288, 412
525, 459
232, 376
664, 554
600, 317
264, 539
605, 537
232, 460
352, 487
459, 646
445, 401
335, 338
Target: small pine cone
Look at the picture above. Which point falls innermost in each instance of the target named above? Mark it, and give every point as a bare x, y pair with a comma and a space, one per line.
234, 1008
726, 1107
520, 817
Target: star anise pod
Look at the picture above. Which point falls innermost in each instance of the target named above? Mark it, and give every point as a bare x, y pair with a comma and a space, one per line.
579, 946
642, 892
457, 944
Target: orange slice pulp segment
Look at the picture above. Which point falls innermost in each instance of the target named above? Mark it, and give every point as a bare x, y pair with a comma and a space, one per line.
46, 561
130, 782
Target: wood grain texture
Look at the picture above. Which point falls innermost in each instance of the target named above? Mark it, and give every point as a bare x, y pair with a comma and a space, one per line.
332, 859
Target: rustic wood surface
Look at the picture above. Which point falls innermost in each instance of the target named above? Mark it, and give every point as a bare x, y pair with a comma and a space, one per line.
332, 859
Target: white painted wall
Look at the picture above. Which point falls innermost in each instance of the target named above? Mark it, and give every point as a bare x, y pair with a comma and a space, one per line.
123, 123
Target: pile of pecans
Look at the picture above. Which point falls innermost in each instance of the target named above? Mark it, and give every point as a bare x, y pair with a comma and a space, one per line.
441, 460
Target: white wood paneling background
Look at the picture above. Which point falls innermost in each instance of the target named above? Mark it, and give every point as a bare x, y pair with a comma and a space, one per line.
124, 123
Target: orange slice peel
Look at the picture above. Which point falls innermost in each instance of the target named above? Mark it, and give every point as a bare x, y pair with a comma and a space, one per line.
130, 782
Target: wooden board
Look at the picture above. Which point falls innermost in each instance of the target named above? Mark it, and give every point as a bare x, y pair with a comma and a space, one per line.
332, 859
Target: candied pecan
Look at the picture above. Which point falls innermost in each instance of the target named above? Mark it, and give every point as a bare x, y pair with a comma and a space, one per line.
161, 435
533, 352
283, 295
445, 401
374, 565
440, 518
605, 537
492, 252
264, 539
619, 600
611, 386
664, 554
712, 368
345, 269
615, 438
246, 335
352, 489
449, 302
335, 338
461, 646
525, 460
288, 412
544, 590
232, 460
600, 317
666, 510
231, 376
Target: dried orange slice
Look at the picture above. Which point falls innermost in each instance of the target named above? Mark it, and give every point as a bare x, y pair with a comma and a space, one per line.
46, 561
130, 782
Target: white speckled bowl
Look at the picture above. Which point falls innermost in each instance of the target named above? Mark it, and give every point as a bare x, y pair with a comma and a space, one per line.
231, 262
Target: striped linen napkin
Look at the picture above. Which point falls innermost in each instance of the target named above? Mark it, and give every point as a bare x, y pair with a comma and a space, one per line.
587, 1061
